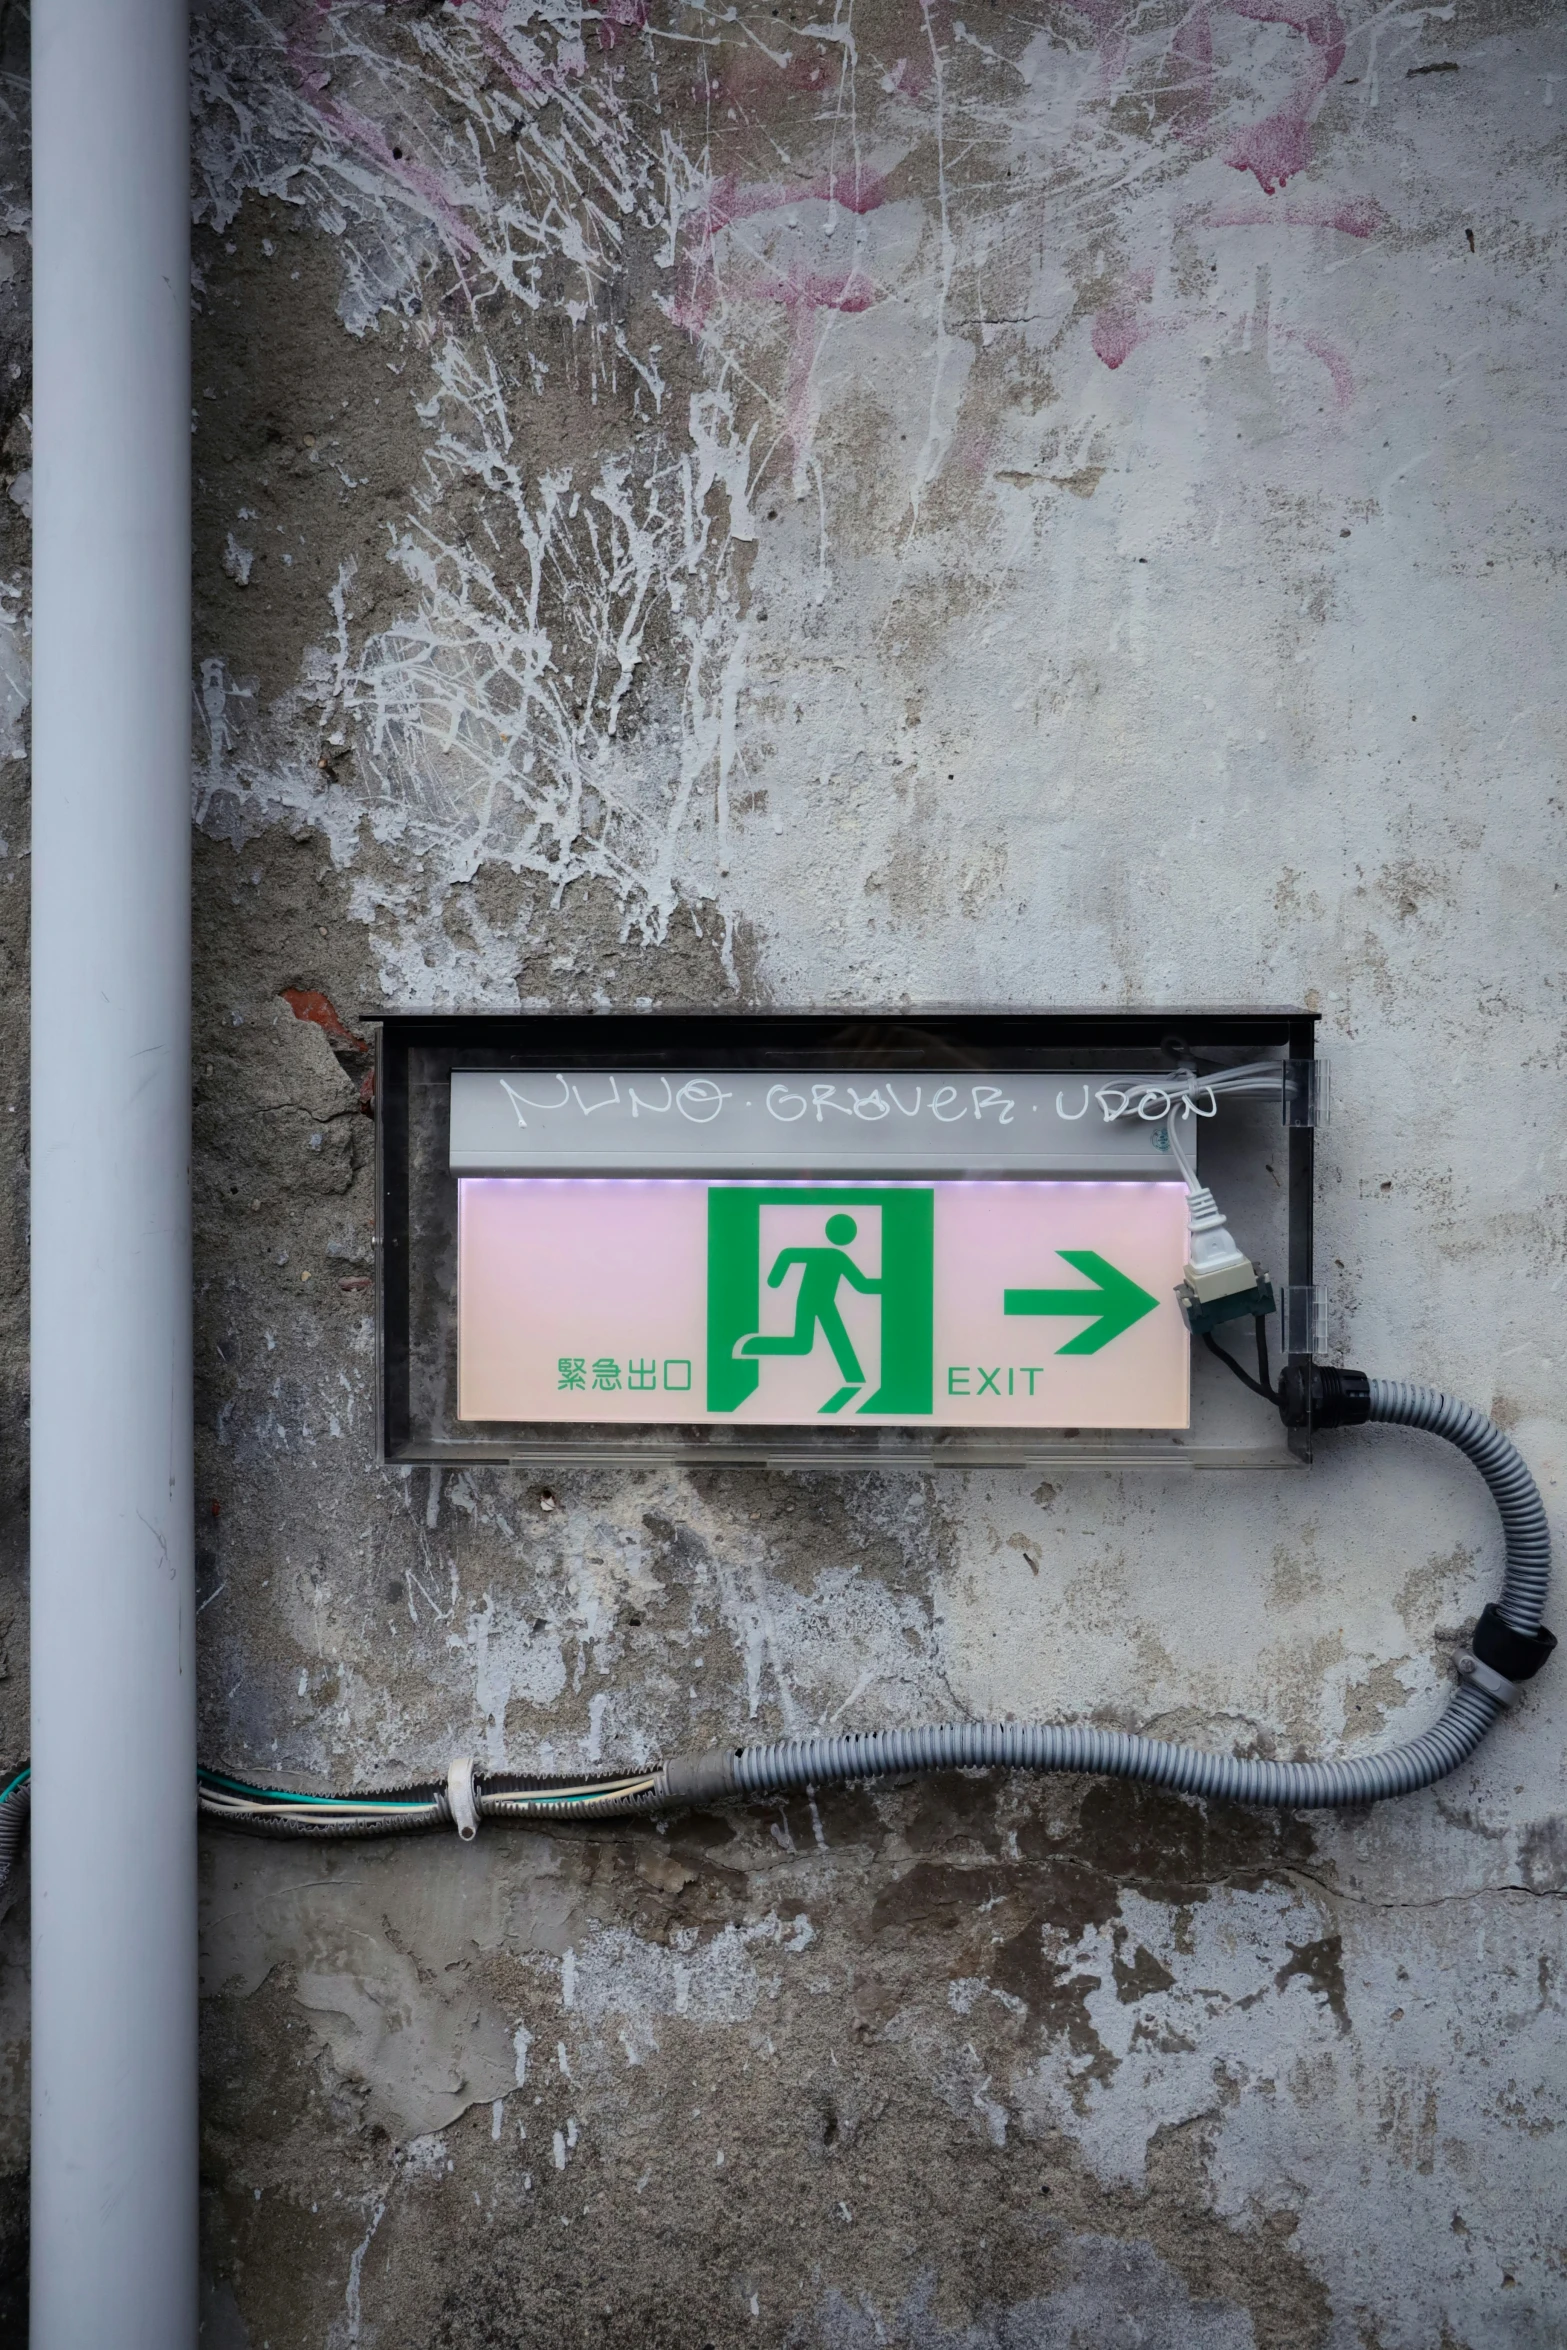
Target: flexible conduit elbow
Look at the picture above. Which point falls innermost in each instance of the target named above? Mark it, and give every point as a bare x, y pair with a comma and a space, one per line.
1306, 1786
1526, 1576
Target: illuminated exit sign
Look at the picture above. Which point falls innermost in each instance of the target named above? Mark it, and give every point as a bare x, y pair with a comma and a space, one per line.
919, 1239
956, 1302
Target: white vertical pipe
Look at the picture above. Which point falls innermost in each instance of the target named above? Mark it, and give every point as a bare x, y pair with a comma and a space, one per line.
113, 1737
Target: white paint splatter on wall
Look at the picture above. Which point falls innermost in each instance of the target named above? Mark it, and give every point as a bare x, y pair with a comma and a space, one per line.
917, 358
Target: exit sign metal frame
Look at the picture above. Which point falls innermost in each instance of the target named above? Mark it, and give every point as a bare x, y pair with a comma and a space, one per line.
418, 1052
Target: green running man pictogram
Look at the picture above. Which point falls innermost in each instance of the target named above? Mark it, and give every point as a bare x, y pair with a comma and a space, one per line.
816, 1305
737, 1350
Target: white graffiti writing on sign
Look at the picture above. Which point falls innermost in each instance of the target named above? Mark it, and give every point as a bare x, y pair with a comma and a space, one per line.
698, 1099
946, 1103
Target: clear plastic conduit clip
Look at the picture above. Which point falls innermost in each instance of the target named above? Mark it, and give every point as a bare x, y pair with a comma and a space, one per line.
462, 1797
1303, 1319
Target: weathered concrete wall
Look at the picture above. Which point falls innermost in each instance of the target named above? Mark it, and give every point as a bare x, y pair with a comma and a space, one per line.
731, 504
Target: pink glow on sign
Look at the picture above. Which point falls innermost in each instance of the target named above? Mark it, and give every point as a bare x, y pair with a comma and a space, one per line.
947, 1304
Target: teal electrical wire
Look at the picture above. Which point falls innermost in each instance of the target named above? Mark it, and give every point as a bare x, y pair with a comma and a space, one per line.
291, 1796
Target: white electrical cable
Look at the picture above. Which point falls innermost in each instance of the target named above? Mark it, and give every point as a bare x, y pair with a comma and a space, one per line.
1216, 1266
1175, 1100
1157, 1098
1181, 1153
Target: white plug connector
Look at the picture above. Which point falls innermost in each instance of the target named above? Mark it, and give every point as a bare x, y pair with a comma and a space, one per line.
1215, 1267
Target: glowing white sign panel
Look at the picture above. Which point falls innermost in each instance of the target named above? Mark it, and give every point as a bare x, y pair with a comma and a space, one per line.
1010, 1304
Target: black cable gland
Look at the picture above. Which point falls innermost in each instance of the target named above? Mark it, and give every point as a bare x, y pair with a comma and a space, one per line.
1315, 1395
1517, 1656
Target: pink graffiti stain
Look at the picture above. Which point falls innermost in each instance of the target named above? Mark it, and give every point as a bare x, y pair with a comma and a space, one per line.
692, 304
801, 294
732, 199
1352, 216
814, 75
1124, 323
906, 78
973, 454
617, 19
1331, 356
1192, 47
313, 79
1112, 22
489, 20
1117, 332
1279, 146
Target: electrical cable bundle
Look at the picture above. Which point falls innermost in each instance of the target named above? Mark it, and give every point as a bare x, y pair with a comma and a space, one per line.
15, 1803
1507, 1648
395, 1811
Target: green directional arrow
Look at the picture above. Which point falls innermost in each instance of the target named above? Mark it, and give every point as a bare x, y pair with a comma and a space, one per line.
1116, 1303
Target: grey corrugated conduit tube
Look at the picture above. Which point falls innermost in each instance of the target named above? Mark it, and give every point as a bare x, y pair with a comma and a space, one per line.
1508, 1646
1023, 1746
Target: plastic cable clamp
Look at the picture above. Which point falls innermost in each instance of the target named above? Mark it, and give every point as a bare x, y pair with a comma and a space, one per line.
1495, 1685
462, 1797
